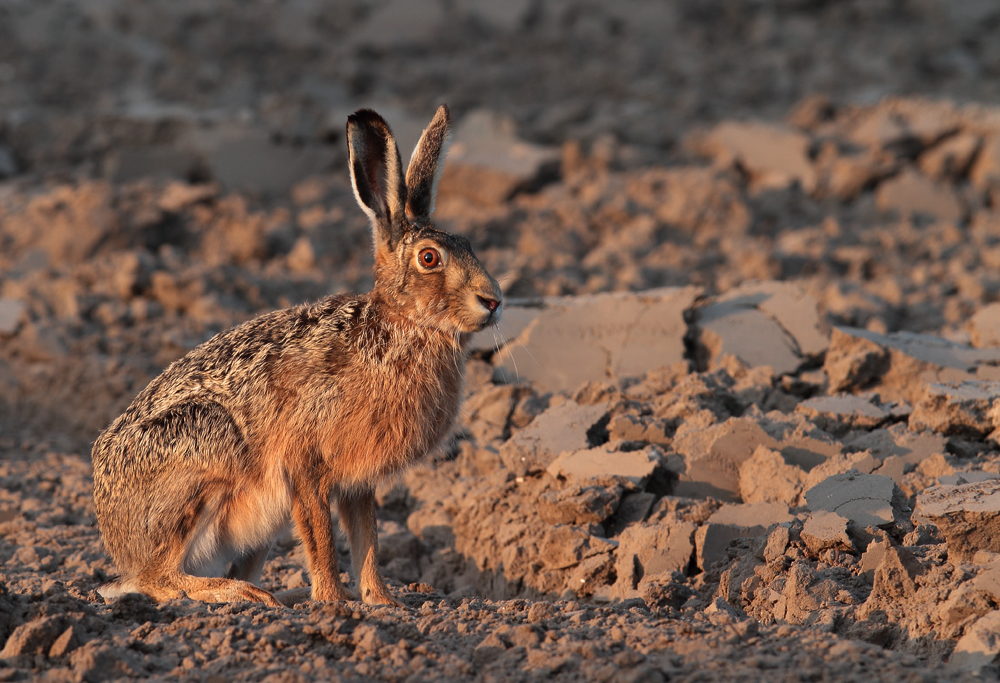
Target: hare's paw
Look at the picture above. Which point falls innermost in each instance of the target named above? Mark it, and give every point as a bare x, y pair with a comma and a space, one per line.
332, 594
225, 590
379, 595
255, 594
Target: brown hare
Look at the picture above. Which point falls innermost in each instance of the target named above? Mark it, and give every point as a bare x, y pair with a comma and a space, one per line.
263, 424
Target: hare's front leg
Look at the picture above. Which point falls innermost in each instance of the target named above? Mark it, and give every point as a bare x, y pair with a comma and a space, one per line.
311, 512
357, 516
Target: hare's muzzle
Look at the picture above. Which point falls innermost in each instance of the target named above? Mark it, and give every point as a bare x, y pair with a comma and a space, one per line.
490, 304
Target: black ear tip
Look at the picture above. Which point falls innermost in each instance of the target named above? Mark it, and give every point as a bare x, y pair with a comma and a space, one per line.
367, 117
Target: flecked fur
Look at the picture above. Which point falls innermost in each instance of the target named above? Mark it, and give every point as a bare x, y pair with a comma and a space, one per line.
263, 424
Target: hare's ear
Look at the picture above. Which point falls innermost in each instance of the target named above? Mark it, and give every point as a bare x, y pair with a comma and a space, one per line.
377, 176
426, 164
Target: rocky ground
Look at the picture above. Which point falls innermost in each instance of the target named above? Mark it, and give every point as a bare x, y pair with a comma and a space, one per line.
739, 421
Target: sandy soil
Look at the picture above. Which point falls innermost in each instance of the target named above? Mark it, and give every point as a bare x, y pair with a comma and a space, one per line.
170, 169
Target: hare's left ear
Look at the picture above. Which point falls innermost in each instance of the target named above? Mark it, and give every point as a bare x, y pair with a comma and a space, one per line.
426, 165
377, 177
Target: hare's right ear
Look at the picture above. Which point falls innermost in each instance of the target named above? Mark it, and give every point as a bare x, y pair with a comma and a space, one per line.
426, 165
377, 176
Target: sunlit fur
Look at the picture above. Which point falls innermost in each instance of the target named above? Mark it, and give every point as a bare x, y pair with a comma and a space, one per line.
262, 425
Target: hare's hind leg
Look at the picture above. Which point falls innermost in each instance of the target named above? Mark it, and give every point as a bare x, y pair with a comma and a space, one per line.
164, 575
161, 581
357, 516
218, 590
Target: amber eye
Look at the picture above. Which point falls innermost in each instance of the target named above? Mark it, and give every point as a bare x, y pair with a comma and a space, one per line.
429, 258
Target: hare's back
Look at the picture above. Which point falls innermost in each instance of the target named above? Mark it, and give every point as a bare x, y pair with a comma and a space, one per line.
212, 396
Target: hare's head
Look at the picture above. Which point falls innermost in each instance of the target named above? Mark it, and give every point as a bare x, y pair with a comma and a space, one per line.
432, 277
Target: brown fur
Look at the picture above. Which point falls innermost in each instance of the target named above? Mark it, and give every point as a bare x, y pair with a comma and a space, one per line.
263, 424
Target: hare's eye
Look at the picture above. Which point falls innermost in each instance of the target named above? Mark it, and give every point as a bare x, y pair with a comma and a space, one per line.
429, 258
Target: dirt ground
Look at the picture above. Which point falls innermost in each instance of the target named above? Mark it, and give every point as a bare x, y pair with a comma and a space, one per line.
169, 169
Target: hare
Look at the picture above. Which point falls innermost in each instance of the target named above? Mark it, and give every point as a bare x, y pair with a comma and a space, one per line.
263, 424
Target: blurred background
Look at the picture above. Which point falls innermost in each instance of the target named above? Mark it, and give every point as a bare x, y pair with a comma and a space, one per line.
121, 89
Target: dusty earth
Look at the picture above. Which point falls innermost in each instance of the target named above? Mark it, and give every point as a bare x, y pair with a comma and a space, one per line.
741, 494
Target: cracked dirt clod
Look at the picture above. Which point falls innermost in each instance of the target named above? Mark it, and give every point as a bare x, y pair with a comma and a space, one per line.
969, 409
968, 516
557, 430
771, 324
623, 335
900, 363
865, 499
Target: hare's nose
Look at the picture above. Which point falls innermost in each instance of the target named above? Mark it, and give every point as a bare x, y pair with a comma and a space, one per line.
490, 304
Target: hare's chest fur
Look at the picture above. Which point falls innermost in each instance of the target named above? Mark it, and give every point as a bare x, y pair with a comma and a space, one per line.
395, 400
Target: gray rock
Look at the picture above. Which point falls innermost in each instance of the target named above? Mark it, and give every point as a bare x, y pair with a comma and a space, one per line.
962, 603
872, 557
34, 638
11, 312
893, 467
578, 504
646, 550
713, 456
42, 343
968, 409
825, 530
900, 364
751, 515
241, 157
950, 159
488, 163
893, 578
634, 508
865, 499
560, 428
395, 541
602, 337
980, 645
514, 321
988, 580
898, 441
636, 466
984, 326
775, 156
634, 428
912, 193
564, 545
959, 478
851, 173
880, 128
968, 516
753, 337
731, 522
842, 413
791, 307
767, 478
772, 324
